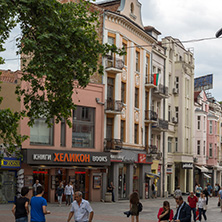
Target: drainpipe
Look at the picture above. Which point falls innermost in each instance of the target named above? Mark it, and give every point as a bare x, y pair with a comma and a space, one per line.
164, 134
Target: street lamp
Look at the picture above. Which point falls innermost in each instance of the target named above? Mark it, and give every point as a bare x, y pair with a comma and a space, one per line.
218, 33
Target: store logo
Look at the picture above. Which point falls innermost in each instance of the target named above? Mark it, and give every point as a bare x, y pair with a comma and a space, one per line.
99, 159
42, 156
78, 158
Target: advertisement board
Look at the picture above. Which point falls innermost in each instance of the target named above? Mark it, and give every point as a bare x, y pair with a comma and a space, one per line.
203, 82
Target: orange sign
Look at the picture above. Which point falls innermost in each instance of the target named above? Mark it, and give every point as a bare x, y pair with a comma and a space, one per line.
71, 157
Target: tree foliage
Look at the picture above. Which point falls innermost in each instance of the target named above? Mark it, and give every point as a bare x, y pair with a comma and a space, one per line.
59, 45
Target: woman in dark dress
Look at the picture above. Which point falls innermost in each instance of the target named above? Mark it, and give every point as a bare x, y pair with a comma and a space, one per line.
21, 206
134, 200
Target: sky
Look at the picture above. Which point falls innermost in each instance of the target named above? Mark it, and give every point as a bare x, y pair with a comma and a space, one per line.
185, 20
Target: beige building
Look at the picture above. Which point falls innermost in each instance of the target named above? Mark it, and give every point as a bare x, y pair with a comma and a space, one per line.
180, 115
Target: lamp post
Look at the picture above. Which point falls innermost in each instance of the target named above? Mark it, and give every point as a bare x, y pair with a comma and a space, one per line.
218, 33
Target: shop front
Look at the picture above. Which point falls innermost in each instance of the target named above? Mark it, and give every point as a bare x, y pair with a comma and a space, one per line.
8, 182
86, 171
201, 175
127, 172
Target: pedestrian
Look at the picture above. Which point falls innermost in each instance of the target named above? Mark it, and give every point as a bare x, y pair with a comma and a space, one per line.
192, 200
183, 211
68, 193
216, 189
220, 198
202, 206
38, 206
59, 192
72, 192
177, 192
36, 184
21, 206
81, 209
198, 190
134, 211
110, 189
206, 193
209, 189
165, 213
153, 188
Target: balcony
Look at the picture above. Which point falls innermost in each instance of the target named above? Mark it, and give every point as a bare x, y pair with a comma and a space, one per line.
114, 65
112, 145
161, 125
113, 106
149, 82
151, 116
161, 92
153, 151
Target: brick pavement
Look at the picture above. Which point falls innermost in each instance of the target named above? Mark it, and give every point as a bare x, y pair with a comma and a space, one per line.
113, 212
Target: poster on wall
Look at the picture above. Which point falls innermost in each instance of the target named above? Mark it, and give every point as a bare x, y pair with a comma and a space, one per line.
96, 182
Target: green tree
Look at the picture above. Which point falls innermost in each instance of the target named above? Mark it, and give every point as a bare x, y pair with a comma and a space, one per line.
59, 45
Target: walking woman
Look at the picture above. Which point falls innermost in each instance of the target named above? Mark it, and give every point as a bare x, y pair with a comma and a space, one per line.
59, 192
134, 200
165, 213
202, 206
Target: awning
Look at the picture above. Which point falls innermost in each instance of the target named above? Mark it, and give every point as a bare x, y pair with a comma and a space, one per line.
207, 176
219, 168
152, 175
202, 169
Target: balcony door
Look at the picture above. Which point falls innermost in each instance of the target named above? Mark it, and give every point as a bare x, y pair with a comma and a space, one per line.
109, 128
110, 88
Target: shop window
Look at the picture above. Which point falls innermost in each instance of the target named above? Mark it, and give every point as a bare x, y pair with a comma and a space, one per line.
40, 133
83, 127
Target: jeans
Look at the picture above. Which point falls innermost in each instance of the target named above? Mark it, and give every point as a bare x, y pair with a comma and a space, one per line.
60, 200
202, 211
68, 199
22, 219
194, 213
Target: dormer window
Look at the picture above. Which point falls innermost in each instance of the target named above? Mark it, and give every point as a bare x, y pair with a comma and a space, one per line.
132, 8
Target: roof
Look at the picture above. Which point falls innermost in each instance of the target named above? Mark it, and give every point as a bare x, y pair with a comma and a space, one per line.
151, 28
9, 76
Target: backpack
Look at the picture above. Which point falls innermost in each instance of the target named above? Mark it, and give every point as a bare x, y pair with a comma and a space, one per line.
140, 207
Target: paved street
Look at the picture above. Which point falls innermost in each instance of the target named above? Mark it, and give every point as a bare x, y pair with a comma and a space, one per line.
108, 212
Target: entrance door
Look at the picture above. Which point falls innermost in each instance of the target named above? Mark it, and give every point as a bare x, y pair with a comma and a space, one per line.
122, 181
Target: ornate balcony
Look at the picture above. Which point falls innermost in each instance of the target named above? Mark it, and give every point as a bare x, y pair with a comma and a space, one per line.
149, 82
150, 116
113, 106
161, 125
153, 151
114, 65
112, 145
161, 91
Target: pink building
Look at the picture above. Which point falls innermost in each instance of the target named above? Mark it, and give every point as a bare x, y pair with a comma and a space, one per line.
60, 153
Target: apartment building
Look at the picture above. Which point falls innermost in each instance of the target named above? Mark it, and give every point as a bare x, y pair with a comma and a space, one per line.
179, 114
128, 86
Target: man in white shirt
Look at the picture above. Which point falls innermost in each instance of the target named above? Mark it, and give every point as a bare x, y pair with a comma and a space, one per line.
81, 209
36, 184
68, 192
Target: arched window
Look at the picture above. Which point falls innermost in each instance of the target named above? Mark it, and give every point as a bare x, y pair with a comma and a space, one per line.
132, 8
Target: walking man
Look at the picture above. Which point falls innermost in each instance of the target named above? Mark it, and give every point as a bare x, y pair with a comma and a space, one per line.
192, 200
38, 206
36, 184
68, 192
183, 211
81, 209
220, 198
153, 188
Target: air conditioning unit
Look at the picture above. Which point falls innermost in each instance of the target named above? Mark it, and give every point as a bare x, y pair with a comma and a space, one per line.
175, 91
174, 120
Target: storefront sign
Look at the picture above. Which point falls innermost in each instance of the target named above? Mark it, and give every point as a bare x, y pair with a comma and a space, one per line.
169, 170
187, 165
141, 158
12, 163
52, 157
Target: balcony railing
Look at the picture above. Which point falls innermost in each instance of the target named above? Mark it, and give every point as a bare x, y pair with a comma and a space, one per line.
161, 124
151, 115
112, 144
154, 152
114, 105
161, 89
114, 63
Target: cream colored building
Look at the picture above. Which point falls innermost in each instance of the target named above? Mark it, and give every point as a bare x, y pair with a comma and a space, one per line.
179, 112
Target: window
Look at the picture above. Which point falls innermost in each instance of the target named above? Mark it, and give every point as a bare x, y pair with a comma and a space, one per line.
147, 65
137, 61
210, 150
83, 127
198, 147
137, 97
177, 82
136, 137
146, 136
125, 56
176, 144
215, 151
123, 130
40, 133
111, 41
132, 8
204, 148
215, 127
169, 113
169, 144
198, 122
123, 92
211, 127
204, 123
63, 133
177, 113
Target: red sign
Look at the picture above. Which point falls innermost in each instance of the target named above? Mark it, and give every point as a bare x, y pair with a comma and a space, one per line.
141, 158
40, 172
159, 168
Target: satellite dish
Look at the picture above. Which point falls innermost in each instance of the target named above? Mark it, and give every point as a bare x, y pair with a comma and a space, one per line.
218, 33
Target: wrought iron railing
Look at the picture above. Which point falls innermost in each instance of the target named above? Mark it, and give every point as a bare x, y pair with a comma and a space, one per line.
112, 144
151, 115
114, 63
114, 105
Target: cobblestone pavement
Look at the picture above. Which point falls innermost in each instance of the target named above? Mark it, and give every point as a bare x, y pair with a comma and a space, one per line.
113, 212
